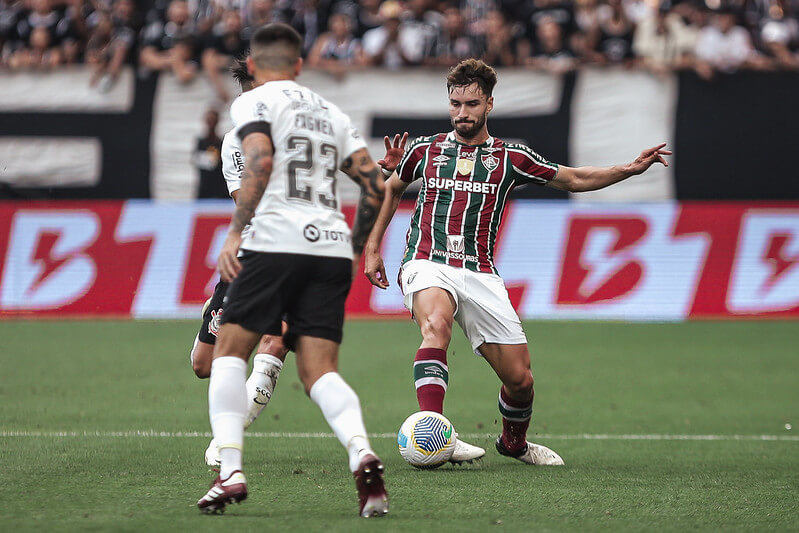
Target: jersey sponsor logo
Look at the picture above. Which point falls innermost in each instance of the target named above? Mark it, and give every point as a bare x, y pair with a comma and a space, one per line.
445, 145
440, 160
455, 243
462, 185
260, 110
489, 162
454, 255
311, 233
238, 161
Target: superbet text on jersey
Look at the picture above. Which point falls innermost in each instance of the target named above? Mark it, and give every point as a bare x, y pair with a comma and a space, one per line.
300, 210
463, 194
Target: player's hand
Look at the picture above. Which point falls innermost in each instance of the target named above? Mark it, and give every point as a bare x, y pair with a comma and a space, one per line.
374, 269
648, 158
228, 264
394, 151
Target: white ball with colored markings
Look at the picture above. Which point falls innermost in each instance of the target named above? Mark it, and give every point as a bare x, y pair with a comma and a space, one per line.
426, 439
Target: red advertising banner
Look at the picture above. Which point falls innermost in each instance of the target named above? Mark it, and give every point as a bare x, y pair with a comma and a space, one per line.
663, 261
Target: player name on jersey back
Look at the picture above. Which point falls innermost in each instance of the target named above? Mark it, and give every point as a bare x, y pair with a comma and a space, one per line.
300, 209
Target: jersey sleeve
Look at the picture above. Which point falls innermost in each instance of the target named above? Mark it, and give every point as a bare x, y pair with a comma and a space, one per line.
409, 169
249, 115
232, 162
352, 141
529, 167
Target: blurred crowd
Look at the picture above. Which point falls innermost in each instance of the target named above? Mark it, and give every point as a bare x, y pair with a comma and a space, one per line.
187, 37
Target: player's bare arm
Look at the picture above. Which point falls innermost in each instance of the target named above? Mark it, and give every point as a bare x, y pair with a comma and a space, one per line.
373, 263
362, 169
374, 268
258, 154
582, 179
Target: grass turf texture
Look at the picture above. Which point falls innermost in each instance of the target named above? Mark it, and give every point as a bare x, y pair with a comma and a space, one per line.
595, 378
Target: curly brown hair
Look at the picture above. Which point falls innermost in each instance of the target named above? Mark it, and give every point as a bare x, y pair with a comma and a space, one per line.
471, 71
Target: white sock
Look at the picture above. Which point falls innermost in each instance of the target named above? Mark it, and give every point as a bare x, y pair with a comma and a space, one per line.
227, 408
261, 384
342, 410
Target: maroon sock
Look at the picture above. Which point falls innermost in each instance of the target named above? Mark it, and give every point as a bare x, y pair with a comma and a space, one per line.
431, 376
515, 420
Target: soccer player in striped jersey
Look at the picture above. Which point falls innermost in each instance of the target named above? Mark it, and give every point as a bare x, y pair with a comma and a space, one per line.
448, 273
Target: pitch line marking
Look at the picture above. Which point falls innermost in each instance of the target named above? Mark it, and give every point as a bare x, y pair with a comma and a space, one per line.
267, 435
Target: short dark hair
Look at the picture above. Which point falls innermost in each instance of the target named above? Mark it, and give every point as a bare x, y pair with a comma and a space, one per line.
471, 71
241, 74
275, 46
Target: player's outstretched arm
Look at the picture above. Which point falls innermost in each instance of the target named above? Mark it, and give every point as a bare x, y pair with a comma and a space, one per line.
362, 169
581, 179
258, 152
374, 268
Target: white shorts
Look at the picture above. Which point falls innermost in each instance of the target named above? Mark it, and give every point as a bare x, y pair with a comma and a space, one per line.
482, 306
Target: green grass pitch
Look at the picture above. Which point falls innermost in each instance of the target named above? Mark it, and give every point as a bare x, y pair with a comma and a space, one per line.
99, 382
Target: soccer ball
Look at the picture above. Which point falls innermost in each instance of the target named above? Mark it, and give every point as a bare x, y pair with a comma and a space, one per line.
426, 439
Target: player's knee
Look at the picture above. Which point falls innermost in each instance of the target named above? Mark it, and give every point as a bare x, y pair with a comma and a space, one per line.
520, 385
202, 368
273, 345
437, 327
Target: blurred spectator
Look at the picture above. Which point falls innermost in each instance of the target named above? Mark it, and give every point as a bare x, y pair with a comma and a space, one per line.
44, 37
111, 38
779, 34
309, 18
258, 13
614, 42
207, 158
418, 30
663, 41
725, 46
474, 13
337, 51
586, 20
452, 43
170, 45
382, 46
503, 44
558, 10
552, 53
221, 49
367, 16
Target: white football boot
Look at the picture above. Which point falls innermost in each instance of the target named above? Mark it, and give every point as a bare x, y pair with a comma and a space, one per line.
532, 454
465, 452
212, 457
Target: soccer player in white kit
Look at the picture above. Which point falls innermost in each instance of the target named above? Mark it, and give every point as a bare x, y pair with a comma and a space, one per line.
298, 259
271, 352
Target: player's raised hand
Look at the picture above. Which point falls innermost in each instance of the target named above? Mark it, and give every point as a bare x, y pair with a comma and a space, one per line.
648, 158
228, 263
374, 269
394, 151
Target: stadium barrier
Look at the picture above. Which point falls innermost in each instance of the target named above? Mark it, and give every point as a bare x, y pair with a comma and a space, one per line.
732, 139
658, 261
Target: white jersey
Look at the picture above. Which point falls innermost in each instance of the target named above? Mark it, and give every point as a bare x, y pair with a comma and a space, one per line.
300, 210
232, 161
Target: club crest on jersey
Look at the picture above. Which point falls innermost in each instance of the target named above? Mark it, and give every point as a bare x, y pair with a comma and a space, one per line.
213, 324
465, 166
489, 162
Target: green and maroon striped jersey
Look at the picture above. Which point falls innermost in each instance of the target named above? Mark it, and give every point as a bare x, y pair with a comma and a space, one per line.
463, 195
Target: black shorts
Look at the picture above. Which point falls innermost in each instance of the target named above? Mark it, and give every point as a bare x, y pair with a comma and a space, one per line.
307, 291
213, 314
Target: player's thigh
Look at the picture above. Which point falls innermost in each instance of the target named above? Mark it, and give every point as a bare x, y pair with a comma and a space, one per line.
235, 341
256, 298
511, 363
316, 299
419, 275
315, 358
486, 315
